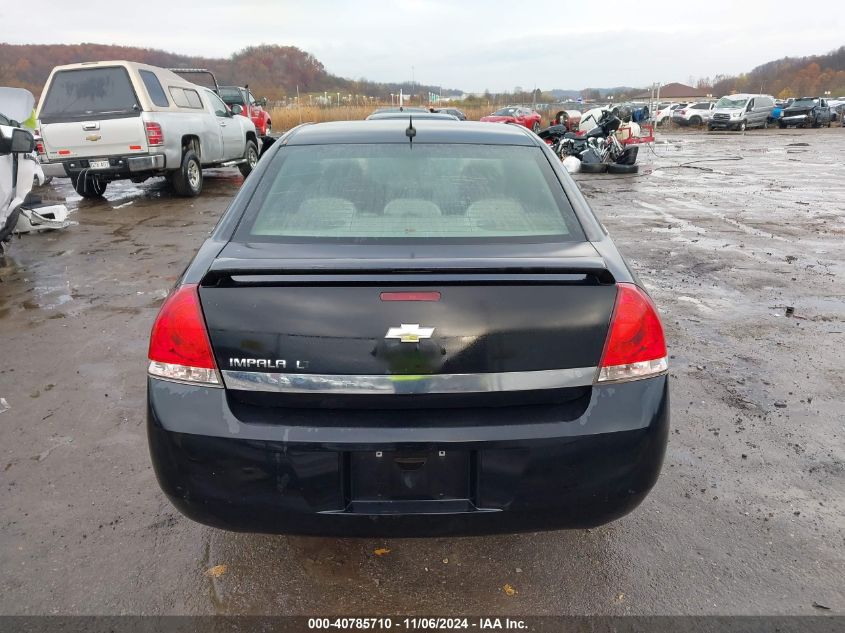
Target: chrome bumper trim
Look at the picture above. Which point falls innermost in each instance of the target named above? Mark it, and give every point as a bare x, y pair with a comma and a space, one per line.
145, 163
55, 170
405, 384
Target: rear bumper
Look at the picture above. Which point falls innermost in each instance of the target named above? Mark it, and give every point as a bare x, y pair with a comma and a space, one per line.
119, 166
54, 170
146, 163
272, 478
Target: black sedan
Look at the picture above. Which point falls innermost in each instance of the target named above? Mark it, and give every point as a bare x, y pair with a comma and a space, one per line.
408, 331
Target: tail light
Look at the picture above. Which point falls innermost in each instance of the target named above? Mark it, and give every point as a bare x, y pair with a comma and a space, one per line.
635, 346
682, 112
155, 136
179, 345
39, 144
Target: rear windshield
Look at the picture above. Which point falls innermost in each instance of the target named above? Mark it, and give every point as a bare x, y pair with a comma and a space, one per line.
398, 192
88, 92
231, 96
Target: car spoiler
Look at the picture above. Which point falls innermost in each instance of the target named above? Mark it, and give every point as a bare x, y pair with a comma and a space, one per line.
543, 270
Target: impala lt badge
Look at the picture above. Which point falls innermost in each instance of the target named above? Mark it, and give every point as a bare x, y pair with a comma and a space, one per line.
265, 363
409, 332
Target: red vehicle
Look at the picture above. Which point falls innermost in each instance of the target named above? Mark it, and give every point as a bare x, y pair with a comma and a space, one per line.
515, 114
234, 95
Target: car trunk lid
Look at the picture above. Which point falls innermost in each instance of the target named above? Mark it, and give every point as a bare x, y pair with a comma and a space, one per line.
391, 327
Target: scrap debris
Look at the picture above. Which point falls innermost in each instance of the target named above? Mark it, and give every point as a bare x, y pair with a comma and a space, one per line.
216, 571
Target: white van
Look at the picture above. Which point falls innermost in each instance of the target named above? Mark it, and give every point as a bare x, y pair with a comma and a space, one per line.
105, 121
741, 111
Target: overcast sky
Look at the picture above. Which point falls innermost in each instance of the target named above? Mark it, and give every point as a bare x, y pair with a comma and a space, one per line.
493, 45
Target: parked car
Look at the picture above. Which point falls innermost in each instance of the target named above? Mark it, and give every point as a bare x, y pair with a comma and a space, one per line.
105, 121
741, 111
411, 109
663, 113
412, 116
382, 341
806, 112
515, 114
20, 210
18, 170
250, 107
455, 112
693, 114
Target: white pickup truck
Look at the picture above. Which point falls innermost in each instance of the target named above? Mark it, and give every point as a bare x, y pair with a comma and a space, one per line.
104, 121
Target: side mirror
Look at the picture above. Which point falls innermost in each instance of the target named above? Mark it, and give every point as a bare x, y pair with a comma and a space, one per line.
18, 142
236, 109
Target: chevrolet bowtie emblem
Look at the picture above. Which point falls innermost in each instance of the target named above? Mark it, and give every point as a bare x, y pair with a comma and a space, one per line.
409, 332
93, 137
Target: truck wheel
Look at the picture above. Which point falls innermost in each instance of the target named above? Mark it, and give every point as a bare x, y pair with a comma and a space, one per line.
781, 125
741, 127
187, 180
89, 186
536, 127
695, 121
268, 128
251, 156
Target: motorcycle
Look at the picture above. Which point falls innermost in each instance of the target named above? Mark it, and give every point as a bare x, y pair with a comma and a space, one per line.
597, 149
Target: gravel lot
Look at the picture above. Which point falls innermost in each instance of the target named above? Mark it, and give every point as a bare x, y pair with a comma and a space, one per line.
747, 518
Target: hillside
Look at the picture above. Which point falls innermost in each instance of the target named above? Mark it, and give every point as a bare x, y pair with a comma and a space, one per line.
788, 77
271, 71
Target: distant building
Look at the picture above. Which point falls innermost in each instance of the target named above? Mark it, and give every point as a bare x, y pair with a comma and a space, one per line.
674, 92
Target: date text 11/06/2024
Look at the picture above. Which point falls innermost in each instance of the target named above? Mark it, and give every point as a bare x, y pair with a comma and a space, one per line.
419, 623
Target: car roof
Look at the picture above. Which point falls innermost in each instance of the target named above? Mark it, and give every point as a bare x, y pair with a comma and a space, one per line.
400, 109
378, 116
427, 131
163, 72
